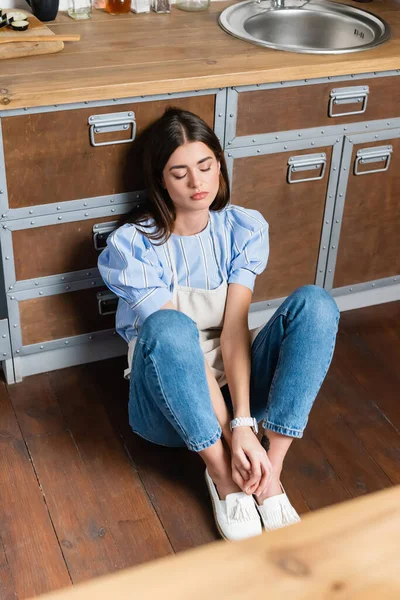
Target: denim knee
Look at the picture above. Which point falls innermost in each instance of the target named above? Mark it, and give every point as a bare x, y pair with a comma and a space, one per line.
318, 302
168, 326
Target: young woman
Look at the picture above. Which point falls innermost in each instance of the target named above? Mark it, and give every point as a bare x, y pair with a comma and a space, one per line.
184, 267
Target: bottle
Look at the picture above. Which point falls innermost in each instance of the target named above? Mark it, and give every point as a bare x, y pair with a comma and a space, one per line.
80, 9
192, 5
161, 6
118, 7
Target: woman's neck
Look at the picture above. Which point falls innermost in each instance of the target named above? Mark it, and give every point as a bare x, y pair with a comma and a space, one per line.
190, 224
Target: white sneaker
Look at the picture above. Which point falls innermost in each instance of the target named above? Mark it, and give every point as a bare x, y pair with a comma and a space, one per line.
236, 516
277, 512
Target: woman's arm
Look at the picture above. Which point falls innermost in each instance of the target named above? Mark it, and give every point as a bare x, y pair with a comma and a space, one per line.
236, 347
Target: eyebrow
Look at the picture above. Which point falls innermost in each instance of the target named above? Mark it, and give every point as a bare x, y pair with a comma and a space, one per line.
185, 166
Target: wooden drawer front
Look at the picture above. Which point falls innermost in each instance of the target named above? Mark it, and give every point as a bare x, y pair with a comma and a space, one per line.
55, 249
369, 243
60, 164
295, 216
295, 108
62, 315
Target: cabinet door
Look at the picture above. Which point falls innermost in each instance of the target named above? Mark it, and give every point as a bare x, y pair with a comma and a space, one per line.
298, 213
365, 241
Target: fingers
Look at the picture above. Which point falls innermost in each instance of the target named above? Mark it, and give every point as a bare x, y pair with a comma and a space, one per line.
266, 469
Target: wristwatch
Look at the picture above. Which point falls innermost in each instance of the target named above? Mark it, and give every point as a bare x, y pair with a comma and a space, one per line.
245, 422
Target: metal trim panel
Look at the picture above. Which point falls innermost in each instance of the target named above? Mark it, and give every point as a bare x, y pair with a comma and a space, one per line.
368, 285
83, 204
5, 344
61, 358
219, 115
3, 177
69, 217
54, 290
231, 118
61, 279
109, 102
316, 80
71, 341
313, 132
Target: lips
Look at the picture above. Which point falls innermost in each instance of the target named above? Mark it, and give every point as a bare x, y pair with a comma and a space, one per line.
199, 196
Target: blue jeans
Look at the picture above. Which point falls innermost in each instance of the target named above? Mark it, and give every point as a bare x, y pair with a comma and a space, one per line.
169, 399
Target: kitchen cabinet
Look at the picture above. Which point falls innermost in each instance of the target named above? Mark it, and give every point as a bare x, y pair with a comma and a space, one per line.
319, 159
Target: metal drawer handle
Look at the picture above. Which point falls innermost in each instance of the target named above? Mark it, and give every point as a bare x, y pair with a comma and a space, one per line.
101, 232
373, 155
349, 95
306, 162
112, 122
107, 303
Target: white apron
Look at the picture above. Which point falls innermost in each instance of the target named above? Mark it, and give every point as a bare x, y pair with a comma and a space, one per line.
207, 309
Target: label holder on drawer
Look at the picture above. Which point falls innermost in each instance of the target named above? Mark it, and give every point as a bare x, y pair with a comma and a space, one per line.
101, 231
112, 122
373, 155
349, 95
306, 162
107, 303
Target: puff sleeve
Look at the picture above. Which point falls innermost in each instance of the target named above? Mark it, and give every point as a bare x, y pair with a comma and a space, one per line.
131, 269
250, 245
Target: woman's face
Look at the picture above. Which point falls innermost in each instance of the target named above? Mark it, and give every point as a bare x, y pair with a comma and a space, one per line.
191, 177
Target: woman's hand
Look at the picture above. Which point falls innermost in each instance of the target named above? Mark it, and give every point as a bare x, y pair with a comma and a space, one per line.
251, 467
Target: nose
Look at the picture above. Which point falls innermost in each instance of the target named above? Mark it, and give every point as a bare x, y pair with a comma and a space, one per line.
194, 180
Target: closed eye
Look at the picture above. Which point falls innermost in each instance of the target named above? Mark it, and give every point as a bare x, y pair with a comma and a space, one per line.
202, 170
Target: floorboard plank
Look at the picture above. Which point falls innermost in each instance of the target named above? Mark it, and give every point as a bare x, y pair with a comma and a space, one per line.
27, 533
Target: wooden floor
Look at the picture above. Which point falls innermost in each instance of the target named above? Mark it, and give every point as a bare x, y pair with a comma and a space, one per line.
82, 496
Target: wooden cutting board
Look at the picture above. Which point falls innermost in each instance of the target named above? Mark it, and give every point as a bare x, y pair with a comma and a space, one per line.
20, 48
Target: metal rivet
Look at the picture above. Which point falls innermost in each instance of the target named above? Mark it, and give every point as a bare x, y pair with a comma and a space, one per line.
253, 140
277, 137
66, 342
4, 335
62, 278
126, 126
137, 196
330, 270
58, 207
90, 337
322, 131
229, 143
7, 258
366, 127
130, 114
3, 215
351, 289
12, 297
344, 168
41, 347
25, 108
113, 210
15, 326
373, 285
337, 221
327, 222
93, 283
376, 136
321, 270
333, 247
40, 293
32, 222
67, 287
299, 134
4, 226
313, 144
86, 214
231, 115
85, 204
11, 287
36, 283
220, 114
324, 247
88, 274
87, 102
334, 168
229, 154
111, 199
338, 139
341, 195
31, 212
345, 128
60, 218
4, 353
388, 123
258, 151
17, 352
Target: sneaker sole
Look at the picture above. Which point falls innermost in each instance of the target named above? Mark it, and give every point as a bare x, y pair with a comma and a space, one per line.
214, 510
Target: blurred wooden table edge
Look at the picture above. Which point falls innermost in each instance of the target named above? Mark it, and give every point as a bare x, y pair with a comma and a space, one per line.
348, 551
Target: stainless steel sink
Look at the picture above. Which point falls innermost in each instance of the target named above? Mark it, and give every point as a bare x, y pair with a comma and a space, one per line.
313, 26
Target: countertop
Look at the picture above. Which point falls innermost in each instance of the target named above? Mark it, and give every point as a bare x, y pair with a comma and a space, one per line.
144, 54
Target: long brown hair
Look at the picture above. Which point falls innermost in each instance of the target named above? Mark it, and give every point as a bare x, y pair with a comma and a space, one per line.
175, 128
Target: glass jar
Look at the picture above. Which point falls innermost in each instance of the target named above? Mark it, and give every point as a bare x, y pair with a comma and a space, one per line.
80, 9
192, 5
117, 7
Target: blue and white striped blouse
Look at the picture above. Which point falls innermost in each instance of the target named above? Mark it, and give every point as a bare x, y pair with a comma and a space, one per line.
140, 273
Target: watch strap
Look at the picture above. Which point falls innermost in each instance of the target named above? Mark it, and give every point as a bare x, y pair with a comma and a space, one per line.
244, 422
